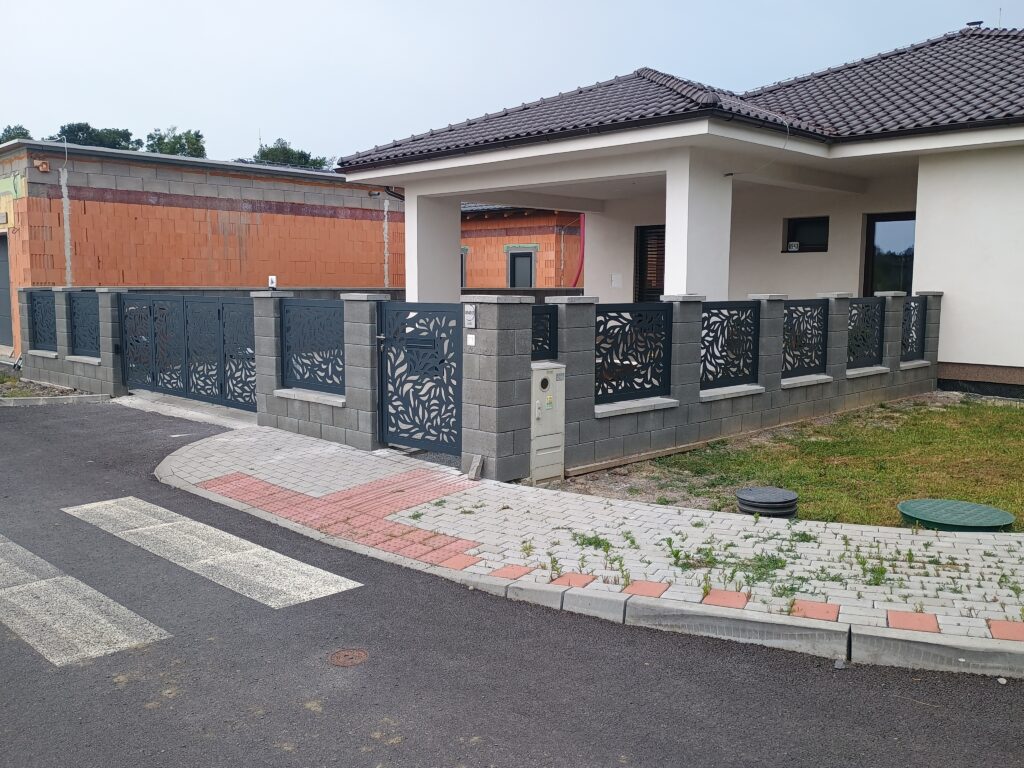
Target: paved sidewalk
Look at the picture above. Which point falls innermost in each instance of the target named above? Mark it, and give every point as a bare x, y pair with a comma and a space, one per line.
804, 585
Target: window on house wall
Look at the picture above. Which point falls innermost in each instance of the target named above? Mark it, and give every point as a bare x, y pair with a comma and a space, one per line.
649, 264
465, 255
808, 235
520, 269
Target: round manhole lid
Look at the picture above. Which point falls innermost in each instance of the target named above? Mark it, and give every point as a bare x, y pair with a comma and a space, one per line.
953, 515
348, 657
767, 496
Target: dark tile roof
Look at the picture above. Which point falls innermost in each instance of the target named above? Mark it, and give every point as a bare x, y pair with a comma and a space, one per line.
974, 76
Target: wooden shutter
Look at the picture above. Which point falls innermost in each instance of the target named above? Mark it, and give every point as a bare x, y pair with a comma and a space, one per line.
649, 264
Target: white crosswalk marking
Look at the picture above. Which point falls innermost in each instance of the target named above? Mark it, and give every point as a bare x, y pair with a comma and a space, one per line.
246, 568
63, 619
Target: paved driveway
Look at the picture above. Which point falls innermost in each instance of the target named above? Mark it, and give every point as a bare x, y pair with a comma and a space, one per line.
228, 674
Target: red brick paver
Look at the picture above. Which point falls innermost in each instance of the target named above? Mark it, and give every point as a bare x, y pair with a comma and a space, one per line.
646, 588
459, 562
919, 622
725, 598
812, 609
1006, 630
574, 579
511, 571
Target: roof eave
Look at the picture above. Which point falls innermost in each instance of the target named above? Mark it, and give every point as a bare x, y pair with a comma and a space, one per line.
700, 114
923, 130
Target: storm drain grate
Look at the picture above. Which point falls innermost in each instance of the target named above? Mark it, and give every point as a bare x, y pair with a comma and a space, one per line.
348, 657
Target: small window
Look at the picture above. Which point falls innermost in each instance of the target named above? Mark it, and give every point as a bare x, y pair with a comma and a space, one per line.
520, 269
806, 235
465, 253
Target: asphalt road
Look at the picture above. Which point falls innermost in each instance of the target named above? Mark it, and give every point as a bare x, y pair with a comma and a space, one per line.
454, 677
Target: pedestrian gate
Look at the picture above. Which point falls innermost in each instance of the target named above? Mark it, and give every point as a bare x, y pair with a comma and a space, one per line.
198, 347
420, 404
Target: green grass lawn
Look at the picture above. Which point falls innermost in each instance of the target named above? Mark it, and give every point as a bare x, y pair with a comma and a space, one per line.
856, 468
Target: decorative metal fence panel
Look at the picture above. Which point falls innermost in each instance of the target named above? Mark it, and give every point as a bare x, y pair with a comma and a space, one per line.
313, 344
915, 308
545, 332
805, 337
42, 314
192, 346
634, 351
867, 332
729, 343
84, 308
420, 375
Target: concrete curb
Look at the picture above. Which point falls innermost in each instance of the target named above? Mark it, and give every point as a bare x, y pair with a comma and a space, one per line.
833, 640
817, 638
17, 402
944, 653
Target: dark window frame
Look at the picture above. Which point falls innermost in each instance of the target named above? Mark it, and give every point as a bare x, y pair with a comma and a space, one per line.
787, 232
869, 238
463, 254
640, 264
514, 253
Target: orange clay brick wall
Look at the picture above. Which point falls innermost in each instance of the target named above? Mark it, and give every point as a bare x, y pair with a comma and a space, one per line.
556, 235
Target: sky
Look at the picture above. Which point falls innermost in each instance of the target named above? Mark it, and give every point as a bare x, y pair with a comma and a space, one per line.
338, 77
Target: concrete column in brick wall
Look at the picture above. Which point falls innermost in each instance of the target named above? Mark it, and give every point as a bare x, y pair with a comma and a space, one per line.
837, 353
110, 371
893, 344
676, 427
266, 323
496, 386
933, 301
585, 436
361, 396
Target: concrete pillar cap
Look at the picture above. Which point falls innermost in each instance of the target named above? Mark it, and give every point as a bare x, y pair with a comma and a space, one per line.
682, 297
572, 299
890, 294
271, 294
767, 296
490, 298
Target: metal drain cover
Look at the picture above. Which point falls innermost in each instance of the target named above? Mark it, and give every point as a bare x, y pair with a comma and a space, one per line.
348, 657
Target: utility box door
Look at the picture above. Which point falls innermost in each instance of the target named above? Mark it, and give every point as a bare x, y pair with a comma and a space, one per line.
547, 434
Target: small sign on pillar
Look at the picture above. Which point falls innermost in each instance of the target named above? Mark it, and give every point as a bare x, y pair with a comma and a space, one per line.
469, 315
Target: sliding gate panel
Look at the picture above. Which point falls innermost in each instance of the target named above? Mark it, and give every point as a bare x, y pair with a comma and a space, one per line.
420, 369
192, 346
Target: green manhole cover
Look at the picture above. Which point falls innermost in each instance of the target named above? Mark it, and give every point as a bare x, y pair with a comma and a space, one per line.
951, 515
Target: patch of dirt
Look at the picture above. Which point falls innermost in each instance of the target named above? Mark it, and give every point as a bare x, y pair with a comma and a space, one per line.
645, 481
12, 385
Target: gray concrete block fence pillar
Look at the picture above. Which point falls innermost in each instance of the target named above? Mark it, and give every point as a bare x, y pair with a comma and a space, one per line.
266, 324
677, 429
576, 351
62, 310
769, 345
893, 339
23, 322
111, 368
837, 351
496, 385
360, 419
933, 314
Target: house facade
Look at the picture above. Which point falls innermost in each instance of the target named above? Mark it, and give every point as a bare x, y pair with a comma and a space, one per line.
898, 172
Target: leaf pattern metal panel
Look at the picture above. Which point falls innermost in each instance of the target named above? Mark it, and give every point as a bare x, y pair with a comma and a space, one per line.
804, 337
43, 317
239, 353
914, 310
633, 346
729, 332
421, 362
313, 344
866, 328
84, 307
137, 341
545, 332
169, 344
203, 342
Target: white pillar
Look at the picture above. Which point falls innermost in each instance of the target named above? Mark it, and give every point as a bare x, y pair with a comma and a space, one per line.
698, 217
433, 233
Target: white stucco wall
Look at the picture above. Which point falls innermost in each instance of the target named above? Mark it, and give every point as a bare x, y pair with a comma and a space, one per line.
610, 245
757, 263
970, 244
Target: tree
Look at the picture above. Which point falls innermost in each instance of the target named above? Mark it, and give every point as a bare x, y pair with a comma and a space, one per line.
12, 132
83, 133
187, 143
281, 152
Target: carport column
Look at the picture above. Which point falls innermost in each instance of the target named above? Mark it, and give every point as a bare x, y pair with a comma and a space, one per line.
892, 346
698, 218
111, 368
585, 436
837, 353
266, 324
362, 429
433, 235
496, 385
